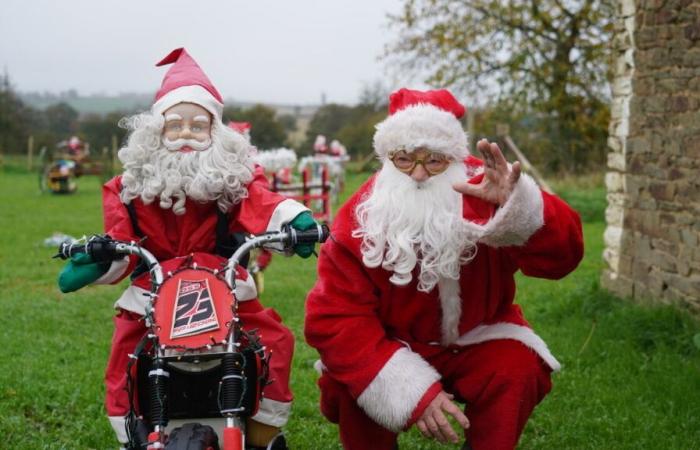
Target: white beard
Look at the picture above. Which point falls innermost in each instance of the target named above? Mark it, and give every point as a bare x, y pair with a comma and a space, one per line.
403, 223
219, 173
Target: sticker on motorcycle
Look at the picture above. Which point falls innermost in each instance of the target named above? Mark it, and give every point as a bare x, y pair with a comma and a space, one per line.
194, 310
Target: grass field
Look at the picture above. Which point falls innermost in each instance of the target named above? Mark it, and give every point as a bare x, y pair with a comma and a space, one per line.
630, 378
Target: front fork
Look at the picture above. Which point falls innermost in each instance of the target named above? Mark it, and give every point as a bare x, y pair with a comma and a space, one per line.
158, 378
232, 386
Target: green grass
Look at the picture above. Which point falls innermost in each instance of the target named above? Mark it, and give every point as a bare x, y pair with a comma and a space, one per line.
630, 378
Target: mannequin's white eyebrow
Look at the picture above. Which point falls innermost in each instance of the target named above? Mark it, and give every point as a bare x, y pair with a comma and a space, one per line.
201, 119
173, 116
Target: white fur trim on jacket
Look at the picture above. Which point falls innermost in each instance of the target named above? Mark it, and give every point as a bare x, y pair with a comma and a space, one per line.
134, 298
118, 424
116, 270
504, 330
189, 94
519, 218
421, 125
394, 393
273, 412
284, 213
451, 305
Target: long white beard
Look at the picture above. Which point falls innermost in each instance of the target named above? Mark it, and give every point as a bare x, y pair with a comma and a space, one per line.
403, 223
219, 173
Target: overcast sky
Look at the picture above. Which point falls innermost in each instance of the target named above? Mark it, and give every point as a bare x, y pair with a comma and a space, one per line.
284, 51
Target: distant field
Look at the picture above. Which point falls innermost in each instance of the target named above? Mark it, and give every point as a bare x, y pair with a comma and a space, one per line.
631, 376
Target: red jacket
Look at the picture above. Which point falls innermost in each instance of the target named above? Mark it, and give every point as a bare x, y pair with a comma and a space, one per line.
170, 235
358, 320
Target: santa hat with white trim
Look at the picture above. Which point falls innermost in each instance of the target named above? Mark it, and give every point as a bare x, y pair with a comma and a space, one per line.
422, 119
186, 82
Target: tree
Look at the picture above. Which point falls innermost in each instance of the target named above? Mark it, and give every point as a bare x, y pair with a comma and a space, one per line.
61, 119
266, 131
550, 57
15, 119
98, 129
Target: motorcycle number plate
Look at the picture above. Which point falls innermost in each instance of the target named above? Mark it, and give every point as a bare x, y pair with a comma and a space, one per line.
193, 309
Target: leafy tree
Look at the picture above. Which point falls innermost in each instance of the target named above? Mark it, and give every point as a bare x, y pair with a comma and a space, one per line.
289, 122
328, 120
98, 130
61, 119
266, 132
15, 119
545, 57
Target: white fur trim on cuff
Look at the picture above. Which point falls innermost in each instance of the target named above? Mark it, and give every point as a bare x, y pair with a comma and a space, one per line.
133, 299
393, 395
116, 270
519, 218
189, 94
273, 412
284, 213
119, 426
504, 330
422, 125
245, 289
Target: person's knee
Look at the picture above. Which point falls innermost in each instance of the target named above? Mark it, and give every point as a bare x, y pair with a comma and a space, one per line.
522, 369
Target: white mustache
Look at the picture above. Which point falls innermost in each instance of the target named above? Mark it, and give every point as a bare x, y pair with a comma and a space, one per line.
193, 144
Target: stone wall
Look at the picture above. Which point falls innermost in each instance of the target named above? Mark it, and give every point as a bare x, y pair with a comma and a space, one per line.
653, 235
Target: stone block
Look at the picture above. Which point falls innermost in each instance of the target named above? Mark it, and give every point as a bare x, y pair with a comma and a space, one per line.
616, 161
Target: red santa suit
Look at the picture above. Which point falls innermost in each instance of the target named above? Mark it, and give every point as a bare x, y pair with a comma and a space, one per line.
388, 350
170, 237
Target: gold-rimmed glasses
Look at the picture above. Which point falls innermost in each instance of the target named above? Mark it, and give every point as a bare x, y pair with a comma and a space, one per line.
434, 163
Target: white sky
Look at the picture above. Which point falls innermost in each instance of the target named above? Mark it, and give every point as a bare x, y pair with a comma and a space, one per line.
283, 51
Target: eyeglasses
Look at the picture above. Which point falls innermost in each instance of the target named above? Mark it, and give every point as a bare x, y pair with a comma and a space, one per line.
433, 163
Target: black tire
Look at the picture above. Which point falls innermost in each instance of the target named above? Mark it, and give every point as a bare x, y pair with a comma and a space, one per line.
193, 436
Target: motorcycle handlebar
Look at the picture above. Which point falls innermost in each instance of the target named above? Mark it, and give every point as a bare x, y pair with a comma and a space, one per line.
318, 234
101, 248
104, 248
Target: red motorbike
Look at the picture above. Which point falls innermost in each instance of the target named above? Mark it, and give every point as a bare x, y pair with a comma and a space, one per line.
196, 362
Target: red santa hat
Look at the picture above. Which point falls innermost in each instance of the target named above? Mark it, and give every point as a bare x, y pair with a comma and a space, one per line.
427, 119
186, 82
240, 127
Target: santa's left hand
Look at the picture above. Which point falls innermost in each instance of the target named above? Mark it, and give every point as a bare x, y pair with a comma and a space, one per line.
499, 178
302, 222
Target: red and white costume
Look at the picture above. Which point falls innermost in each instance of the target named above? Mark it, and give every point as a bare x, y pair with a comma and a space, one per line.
388, 350
171, 237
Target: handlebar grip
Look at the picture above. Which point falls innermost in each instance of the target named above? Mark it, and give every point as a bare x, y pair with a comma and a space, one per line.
311, 236
101, 248
68, 249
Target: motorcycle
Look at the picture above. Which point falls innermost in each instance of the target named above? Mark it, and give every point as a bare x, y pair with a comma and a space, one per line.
196, 362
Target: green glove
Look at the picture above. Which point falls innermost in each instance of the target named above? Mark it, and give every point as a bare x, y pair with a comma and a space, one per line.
303, 222
80, 271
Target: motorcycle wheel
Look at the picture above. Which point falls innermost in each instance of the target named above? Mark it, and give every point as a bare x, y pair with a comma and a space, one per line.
193, 436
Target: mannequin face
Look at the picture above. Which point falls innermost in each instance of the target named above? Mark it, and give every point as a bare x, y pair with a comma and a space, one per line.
187, 128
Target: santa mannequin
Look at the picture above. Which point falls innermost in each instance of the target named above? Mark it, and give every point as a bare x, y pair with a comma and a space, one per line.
185, 175
413, 308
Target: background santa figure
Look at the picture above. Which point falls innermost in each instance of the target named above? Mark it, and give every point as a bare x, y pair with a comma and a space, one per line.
187, 175
414, 305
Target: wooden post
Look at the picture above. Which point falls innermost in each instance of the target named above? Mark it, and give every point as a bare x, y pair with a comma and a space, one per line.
305, 187
527, 165
326, 190
114, 152
30, 152
471, 132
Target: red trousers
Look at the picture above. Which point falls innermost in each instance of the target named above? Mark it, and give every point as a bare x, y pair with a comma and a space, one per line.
500, 381
128, 331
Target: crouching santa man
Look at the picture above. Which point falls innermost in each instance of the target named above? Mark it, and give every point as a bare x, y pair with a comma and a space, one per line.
413, 309
188, 184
